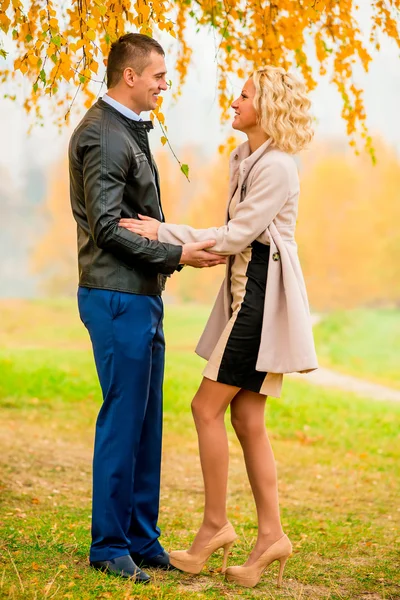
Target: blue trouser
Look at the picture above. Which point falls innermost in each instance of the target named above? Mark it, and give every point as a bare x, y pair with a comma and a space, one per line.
128, 344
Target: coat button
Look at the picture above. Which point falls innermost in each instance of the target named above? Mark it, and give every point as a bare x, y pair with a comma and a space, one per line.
275, 256
236, 156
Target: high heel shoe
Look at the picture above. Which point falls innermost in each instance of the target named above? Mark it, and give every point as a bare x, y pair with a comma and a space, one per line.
193, 563
250, 576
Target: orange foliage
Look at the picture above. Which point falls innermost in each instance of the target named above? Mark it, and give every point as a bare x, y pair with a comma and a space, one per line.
347, 230
55, 44
206, 208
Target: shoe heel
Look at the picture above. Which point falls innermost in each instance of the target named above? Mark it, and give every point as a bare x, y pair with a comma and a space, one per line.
227, 547
282, 562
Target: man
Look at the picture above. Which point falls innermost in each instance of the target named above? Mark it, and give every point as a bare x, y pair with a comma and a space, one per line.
121, 277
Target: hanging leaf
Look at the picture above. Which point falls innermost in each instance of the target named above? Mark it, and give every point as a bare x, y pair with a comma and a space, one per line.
185, 170
288, 33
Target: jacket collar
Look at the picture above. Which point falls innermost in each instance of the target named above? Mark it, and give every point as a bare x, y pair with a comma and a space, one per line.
242, 153
137, 125
242, 158
124, 110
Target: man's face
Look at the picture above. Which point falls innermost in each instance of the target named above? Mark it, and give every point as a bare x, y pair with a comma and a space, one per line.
147, 86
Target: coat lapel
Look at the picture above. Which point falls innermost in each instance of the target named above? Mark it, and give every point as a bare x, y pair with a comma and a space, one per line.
235, 159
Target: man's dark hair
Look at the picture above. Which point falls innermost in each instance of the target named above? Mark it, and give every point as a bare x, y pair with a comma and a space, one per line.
130, 50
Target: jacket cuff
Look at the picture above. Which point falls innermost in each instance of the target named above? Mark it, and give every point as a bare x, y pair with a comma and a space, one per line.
174, 254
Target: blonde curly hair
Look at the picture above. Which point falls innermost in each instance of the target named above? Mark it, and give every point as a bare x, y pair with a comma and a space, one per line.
283, 108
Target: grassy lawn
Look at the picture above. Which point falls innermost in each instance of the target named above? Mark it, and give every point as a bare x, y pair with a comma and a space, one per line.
365, 343
338, 462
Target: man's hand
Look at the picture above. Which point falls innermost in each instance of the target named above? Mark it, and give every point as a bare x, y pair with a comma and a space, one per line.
195, 255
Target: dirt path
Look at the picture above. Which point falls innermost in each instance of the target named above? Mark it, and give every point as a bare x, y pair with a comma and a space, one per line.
332, 379
348, 383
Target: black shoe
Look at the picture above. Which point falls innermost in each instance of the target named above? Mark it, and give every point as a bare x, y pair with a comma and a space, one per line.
122, 566
161, 561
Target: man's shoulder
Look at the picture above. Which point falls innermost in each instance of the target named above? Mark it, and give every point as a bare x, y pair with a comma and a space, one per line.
99, 126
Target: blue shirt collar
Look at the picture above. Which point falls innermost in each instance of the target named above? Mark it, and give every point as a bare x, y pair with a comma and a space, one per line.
124, 110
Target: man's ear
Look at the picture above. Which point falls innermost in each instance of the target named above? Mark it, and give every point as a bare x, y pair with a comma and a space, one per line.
129, 76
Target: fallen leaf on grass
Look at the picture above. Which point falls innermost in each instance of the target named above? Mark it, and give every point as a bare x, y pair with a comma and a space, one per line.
306, 440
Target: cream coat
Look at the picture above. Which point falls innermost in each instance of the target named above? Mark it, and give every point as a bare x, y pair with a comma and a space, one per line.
269, 182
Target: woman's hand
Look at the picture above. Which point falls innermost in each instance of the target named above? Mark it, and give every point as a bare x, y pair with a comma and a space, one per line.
146, 227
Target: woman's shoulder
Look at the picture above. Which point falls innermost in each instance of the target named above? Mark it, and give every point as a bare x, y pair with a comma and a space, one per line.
276, 163
277, 166
274, 156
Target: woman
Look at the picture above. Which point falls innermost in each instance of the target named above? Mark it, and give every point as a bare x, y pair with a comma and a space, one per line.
259, 328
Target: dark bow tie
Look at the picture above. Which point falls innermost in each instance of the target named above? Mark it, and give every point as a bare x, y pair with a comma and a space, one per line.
147, 124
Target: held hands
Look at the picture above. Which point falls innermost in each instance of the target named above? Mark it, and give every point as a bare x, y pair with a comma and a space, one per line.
146, 227
193, 254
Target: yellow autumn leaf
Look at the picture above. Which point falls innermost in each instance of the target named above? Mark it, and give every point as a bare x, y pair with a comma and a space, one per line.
163, 140
286, 29
144, 11
51, 50
91, 23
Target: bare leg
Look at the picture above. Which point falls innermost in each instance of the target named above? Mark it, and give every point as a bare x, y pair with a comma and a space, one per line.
247, 414
209, 406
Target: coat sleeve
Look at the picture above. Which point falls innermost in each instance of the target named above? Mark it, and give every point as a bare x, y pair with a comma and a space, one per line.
105, 167
265, 197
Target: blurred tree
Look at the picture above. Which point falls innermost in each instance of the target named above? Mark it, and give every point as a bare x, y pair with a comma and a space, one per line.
54, 43
19, 229
348, 232
54, 257
207, 209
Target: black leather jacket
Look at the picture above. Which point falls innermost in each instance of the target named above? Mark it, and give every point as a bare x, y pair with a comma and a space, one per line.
113, 176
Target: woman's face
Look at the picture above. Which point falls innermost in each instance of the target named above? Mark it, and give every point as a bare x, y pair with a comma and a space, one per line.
245, 113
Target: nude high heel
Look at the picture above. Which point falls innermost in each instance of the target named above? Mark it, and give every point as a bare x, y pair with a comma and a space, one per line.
250, 576
193, 563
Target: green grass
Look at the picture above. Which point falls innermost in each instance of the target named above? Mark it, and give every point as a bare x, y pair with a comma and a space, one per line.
362, 342
338, 463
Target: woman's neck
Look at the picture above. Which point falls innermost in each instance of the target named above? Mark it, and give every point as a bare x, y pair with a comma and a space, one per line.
256, 139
